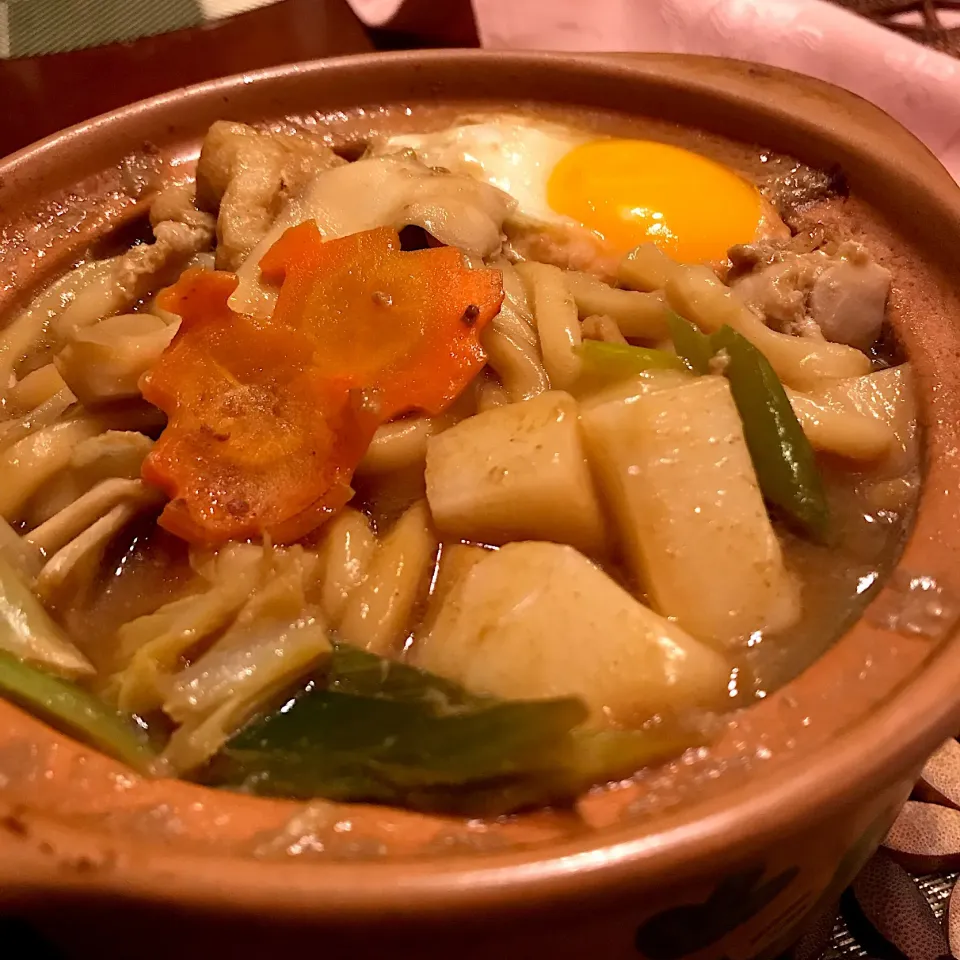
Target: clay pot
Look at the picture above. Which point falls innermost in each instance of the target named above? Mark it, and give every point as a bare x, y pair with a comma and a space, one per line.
722, 857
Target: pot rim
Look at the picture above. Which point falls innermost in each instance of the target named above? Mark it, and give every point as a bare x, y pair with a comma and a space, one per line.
750, 816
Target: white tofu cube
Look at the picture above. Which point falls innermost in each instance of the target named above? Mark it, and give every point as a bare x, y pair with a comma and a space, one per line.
675, 469
535, 620
517, 472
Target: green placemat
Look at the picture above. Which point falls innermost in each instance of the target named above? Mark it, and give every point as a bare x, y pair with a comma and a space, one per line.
30, 28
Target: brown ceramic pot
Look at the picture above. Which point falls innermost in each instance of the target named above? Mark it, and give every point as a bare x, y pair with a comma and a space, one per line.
723, 858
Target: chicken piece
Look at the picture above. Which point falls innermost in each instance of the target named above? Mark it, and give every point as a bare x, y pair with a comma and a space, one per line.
747, 257
246, 175
177, 204
839, 295
779, 292
849, 300
180, 230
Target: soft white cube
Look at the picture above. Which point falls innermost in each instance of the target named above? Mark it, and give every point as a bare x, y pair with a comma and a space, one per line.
674, 467
535, 620
517, 472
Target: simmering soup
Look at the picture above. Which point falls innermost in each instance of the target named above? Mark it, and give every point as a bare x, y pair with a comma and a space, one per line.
498, 461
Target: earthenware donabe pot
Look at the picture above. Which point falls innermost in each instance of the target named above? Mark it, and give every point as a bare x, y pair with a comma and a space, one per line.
723, 860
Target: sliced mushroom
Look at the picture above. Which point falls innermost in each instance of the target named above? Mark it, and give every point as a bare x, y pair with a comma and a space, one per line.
62, 527
27, 464
36, 388
24, 557
27, 333
110, 454
103, 362
40, 416
75, 564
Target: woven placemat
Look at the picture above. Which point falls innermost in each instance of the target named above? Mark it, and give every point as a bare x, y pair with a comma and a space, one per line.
935, 23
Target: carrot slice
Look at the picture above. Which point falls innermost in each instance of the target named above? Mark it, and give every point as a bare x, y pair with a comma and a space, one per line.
268, 419
403, 325
257, 440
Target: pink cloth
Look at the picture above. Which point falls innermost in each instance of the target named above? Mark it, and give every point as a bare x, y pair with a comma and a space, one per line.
918, 86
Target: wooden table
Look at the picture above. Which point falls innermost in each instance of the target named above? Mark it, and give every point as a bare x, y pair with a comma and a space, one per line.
43, 94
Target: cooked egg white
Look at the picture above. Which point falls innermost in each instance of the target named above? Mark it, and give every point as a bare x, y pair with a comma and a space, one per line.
623, 192
509, 153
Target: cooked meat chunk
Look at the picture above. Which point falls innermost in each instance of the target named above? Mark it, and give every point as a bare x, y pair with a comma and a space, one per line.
747, 257
180, 230
779, 291
245, 175
840, 295
849, 300
177, 204
567, 246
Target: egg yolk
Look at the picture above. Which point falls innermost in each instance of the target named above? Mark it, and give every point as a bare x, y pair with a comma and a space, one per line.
637, 191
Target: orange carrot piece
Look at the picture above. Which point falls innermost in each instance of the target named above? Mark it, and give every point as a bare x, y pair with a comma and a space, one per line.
268, 419
257, 441
403, 325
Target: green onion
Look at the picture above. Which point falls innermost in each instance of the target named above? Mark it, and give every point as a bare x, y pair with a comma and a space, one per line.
782, 456
376, 730
609, 362
75, 711
355, 671
693, 347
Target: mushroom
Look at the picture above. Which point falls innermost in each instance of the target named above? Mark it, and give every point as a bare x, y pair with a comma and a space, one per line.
90, 459
104, 361
74, 564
